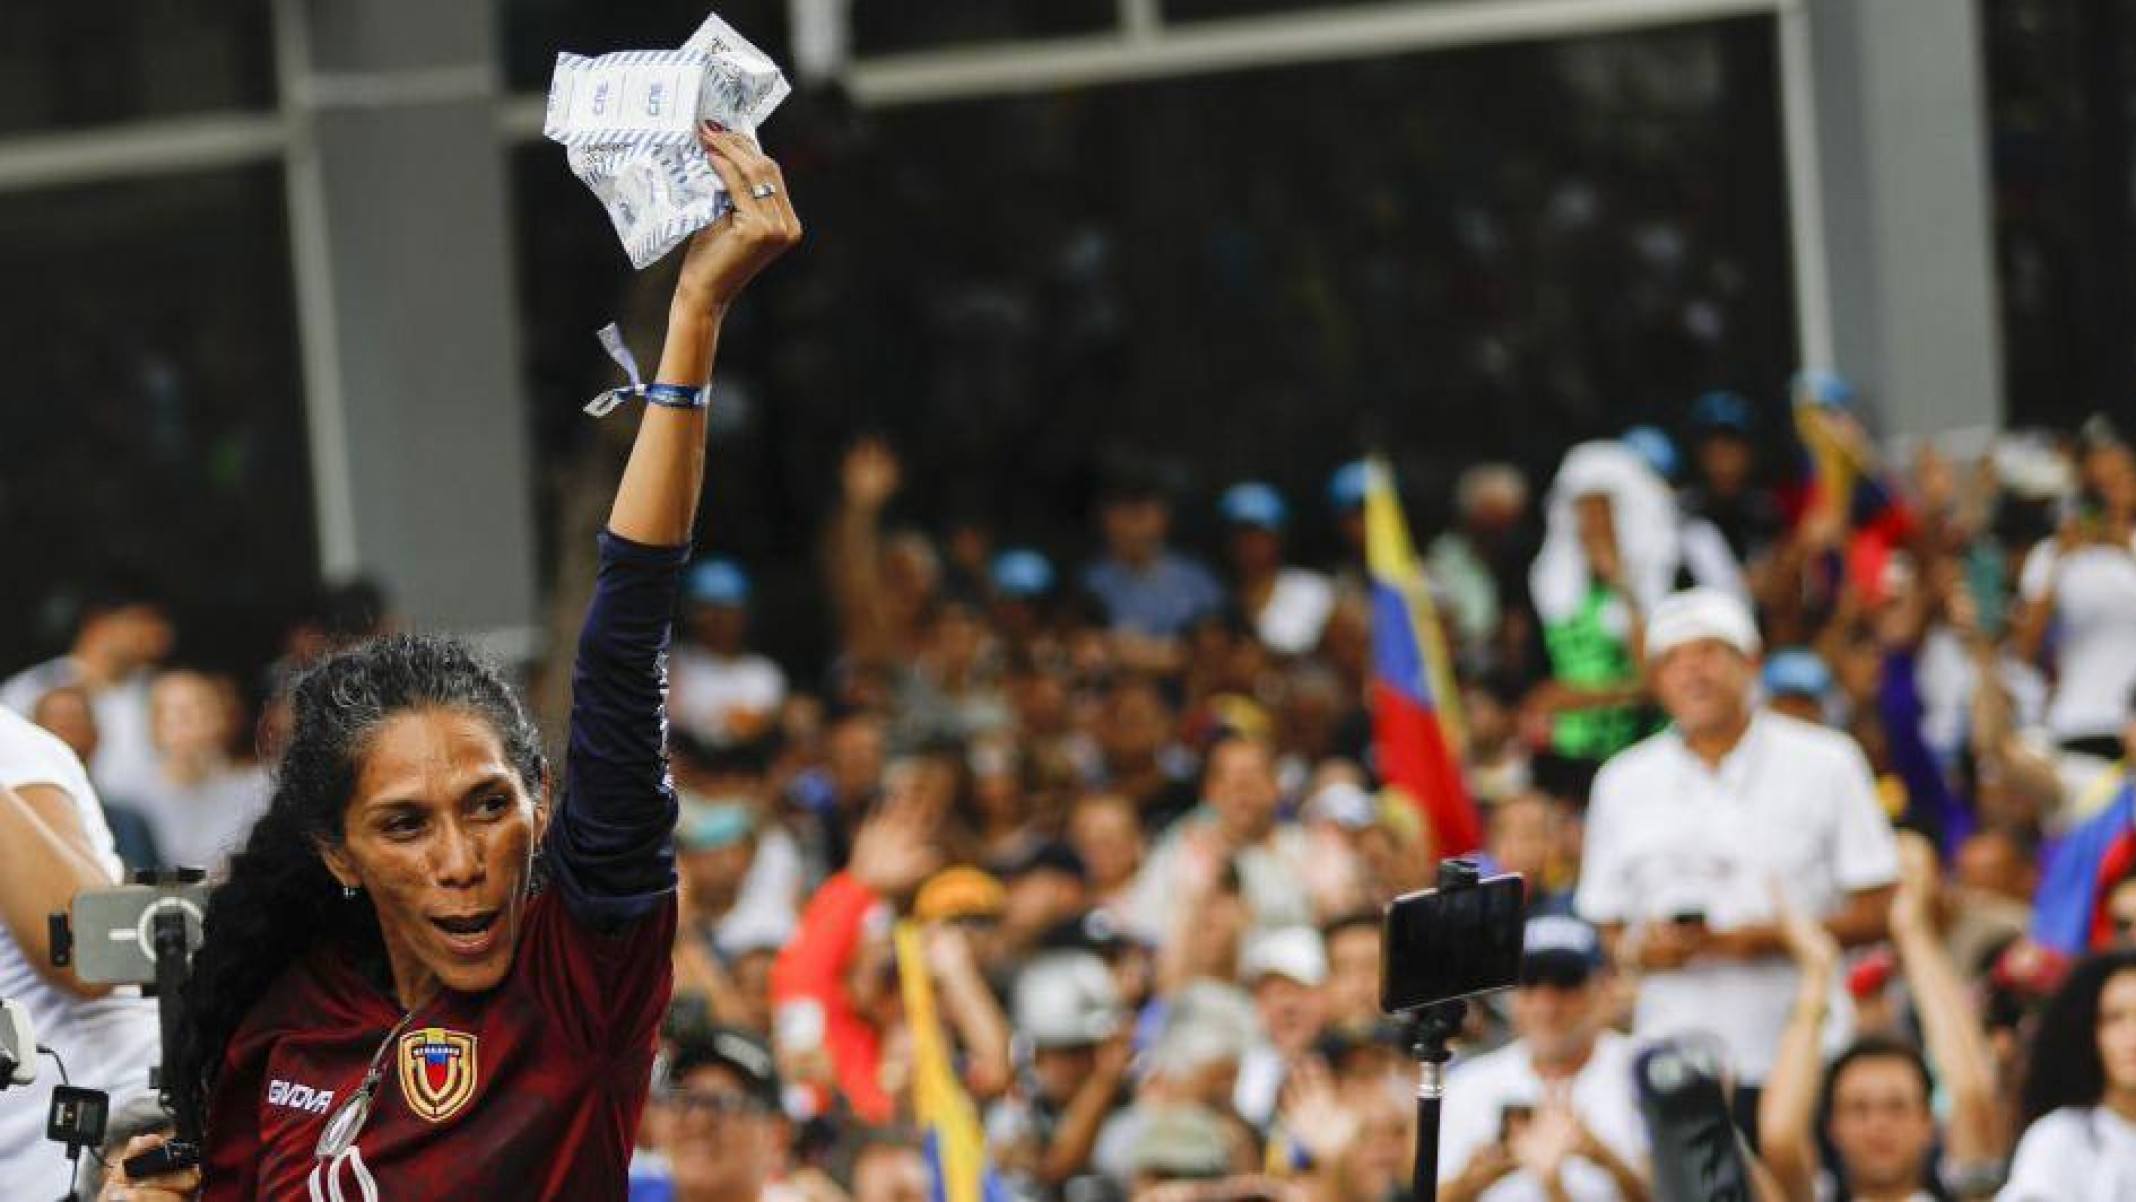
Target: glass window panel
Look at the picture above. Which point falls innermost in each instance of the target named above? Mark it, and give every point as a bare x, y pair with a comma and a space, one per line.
1481, 252
65, 66
155, 423
2062, 118
535, 31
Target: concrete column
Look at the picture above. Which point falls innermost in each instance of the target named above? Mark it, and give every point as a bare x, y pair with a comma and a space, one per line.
1900, 99
399, 213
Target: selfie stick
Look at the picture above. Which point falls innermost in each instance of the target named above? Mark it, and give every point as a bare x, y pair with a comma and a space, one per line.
1430, 1027
173, 965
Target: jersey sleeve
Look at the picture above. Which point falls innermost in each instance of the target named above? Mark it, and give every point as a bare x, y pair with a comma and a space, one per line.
611, 850
605, 990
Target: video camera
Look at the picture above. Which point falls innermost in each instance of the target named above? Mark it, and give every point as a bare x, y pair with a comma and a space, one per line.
143, 933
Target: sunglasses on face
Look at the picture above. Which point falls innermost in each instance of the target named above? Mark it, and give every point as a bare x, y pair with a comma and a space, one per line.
715, 1103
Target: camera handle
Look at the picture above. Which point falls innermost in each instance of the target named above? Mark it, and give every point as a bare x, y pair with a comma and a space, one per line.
1430, 1027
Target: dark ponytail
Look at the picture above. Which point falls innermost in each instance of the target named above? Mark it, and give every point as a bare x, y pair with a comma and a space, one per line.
279, 901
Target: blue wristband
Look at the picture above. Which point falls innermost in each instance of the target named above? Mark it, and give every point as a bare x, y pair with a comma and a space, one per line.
675, 396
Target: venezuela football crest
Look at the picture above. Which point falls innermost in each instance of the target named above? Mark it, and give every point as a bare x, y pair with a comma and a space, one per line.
437, 1071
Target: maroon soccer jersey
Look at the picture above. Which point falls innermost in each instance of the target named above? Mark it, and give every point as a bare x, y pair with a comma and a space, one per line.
530, 1091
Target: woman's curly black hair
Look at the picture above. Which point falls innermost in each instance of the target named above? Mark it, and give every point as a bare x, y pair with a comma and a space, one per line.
2065, 1068
279, 900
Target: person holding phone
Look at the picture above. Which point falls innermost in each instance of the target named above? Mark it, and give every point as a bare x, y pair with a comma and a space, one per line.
390, 1000
1689, 829
1553, 1115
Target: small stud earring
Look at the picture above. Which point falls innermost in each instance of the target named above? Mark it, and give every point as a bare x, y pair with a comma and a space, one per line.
348, 892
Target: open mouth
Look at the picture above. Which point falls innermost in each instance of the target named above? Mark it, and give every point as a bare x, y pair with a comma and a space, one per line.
470, 934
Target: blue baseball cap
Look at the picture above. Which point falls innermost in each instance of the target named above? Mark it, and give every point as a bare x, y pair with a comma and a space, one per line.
1827, 388
1796, 672
1346, 488
1722, 411
1022, 573
705, 826
1558, 949
717, 582
1253, 504
1656, 447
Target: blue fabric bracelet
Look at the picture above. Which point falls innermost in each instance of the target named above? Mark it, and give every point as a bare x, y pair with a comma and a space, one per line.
675, 396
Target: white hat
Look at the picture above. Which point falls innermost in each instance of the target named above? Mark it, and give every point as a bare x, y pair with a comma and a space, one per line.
1066, 999
1294, 952
1700, 613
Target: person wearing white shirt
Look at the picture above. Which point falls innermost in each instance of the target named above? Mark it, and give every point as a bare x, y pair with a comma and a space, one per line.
54, 844
1695, 833
1288, 606
2080, 587
721, 691
1554, 1115
2080, 1093
121, 636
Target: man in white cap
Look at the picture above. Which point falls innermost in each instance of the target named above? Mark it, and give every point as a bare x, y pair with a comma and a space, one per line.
1695, 834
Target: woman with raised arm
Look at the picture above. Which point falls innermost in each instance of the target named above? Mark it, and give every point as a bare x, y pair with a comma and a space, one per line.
392, 1000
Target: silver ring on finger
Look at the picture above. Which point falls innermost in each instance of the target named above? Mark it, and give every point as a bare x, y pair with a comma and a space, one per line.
763, 191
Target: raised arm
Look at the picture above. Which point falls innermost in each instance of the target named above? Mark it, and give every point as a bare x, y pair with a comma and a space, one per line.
1787, 1109
1964, 1064
657, 501
611, 847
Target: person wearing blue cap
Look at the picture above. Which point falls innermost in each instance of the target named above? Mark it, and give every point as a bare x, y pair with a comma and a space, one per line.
1725, 489
1554, 1113
1797, 683
722, 692
1288, 606
1150, 592
1020, 582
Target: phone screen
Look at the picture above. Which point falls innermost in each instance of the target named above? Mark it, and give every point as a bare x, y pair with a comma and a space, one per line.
1445, 945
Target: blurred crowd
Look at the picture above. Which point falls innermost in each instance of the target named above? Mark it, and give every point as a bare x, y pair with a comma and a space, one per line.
1813, 746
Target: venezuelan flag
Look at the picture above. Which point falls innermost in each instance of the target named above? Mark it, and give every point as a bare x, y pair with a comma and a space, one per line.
1416, 717
2069, 907
955, 1142
1837, 476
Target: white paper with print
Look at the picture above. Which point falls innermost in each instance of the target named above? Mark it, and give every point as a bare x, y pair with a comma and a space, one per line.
628, 123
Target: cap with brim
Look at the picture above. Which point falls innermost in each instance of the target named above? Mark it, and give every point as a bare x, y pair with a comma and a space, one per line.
717, 582
1346, 488
1253, 504
1559, 950
1656, 448
1796, 672
960, 892
734, 1049
1696, 614
1721, 412
1022, 573
1296, 953
706, 826
1183, 1142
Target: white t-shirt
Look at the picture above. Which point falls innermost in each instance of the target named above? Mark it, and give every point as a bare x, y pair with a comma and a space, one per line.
2094, 591
1272, 879
108, 1043
1296, 611
723, 699
1603, 1096
1793, 804
125, 747
2076, 1154
200, 825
